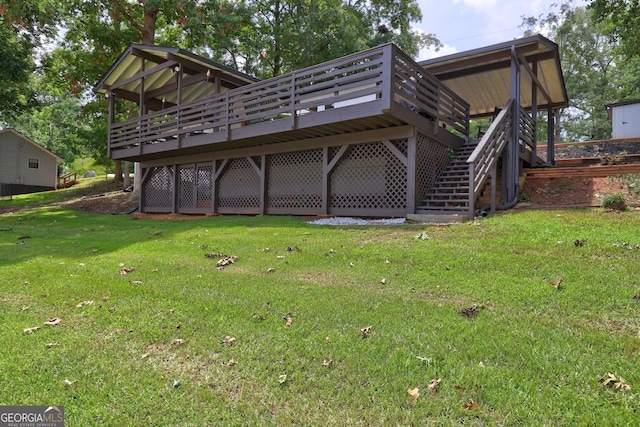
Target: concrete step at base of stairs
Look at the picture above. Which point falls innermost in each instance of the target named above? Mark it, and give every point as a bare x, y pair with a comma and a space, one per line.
437, 218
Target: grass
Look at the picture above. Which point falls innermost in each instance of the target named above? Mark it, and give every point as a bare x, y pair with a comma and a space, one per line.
151, 350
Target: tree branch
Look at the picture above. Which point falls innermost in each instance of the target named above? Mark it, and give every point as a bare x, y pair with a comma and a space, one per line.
117, 8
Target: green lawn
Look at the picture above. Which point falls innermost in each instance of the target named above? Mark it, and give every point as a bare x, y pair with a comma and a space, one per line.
152, 347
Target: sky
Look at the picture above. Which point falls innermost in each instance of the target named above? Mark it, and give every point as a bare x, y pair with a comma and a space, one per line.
468, 24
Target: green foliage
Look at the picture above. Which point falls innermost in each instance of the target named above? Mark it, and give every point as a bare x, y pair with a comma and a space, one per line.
621, 21
16, 68
592, 68
615, 201
632, 181
158, 336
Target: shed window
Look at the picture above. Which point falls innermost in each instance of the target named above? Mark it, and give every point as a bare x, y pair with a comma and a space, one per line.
33, 163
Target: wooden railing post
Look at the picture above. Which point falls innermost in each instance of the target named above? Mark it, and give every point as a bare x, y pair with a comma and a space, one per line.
388, 73
472, 192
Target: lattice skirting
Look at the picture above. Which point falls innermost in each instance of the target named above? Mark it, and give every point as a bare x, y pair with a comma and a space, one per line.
361, 179
432, 158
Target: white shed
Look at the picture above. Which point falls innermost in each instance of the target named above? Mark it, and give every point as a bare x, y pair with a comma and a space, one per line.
625, 118
25, 166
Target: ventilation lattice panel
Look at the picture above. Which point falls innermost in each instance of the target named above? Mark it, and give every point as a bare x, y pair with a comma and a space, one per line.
370, 176
186, 187
239, 186
204, 184
431, 159
295, 180
158, 189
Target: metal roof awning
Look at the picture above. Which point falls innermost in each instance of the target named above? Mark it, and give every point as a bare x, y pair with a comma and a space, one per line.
152, 70
482, 77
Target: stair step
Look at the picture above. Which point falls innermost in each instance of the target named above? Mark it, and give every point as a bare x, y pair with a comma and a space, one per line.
450, 188
431, 200
443, 208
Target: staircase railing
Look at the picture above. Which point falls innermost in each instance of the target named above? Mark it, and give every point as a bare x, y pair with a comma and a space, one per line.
484, 159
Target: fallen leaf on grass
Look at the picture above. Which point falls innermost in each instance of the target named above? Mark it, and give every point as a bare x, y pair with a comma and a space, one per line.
282, 378
126, 270
213, 255
136, 282
105, 298
470, 312
83, 303
470, 406
231, 362
270, 270
266, 249
53, 322
365, 332
556, 283
52, 344
383, 281
67, 382
421, 236
288, 320
610, 380
177, 341
228, 340
226, 261
327, 362
144, 356
414, 392
433, 384
176, 383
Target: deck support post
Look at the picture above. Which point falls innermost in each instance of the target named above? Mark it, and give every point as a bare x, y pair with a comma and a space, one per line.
551, 159
534, 116
511, 164
494, 185
411, 173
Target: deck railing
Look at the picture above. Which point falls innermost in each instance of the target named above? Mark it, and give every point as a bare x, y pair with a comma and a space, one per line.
484, 159
383, 76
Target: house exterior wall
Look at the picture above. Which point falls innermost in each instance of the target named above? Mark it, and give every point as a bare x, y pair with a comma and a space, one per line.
626, 121
15, 152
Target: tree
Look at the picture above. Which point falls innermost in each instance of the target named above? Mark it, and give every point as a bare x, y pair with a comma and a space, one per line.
620, 19
16, 70
589, 69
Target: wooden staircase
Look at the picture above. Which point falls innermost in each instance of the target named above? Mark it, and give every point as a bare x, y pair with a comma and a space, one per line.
450, 193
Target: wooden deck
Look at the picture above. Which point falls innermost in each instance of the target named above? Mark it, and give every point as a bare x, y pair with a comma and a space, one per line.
375, 89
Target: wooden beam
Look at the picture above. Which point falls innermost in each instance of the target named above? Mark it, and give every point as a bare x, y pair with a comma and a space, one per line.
336, 159
499, 65
534, 78
394, 150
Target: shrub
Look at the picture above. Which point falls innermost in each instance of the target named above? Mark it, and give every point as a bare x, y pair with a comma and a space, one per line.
615, 201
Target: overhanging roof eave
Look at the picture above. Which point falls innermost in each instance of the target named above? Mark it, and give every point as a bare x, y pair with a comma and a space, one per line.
179, 54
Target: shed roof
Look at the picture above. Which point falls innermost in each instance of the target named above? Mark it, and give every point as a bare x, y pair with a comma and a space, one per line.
32, 142
482, 77
157, 64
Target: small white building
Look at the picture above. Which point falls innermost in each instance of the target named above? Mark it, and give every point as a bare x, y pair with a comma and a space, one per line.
625, 117
25, 166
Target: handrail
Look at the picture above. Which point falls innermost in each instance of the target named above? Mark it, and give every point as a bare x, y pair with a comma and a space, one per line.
485, 156
383, 73
67, 180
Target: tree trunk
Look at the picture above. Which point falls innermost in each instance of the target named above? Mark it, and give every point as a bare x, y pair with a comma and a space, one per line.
126, 182
117, 173
148, 37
